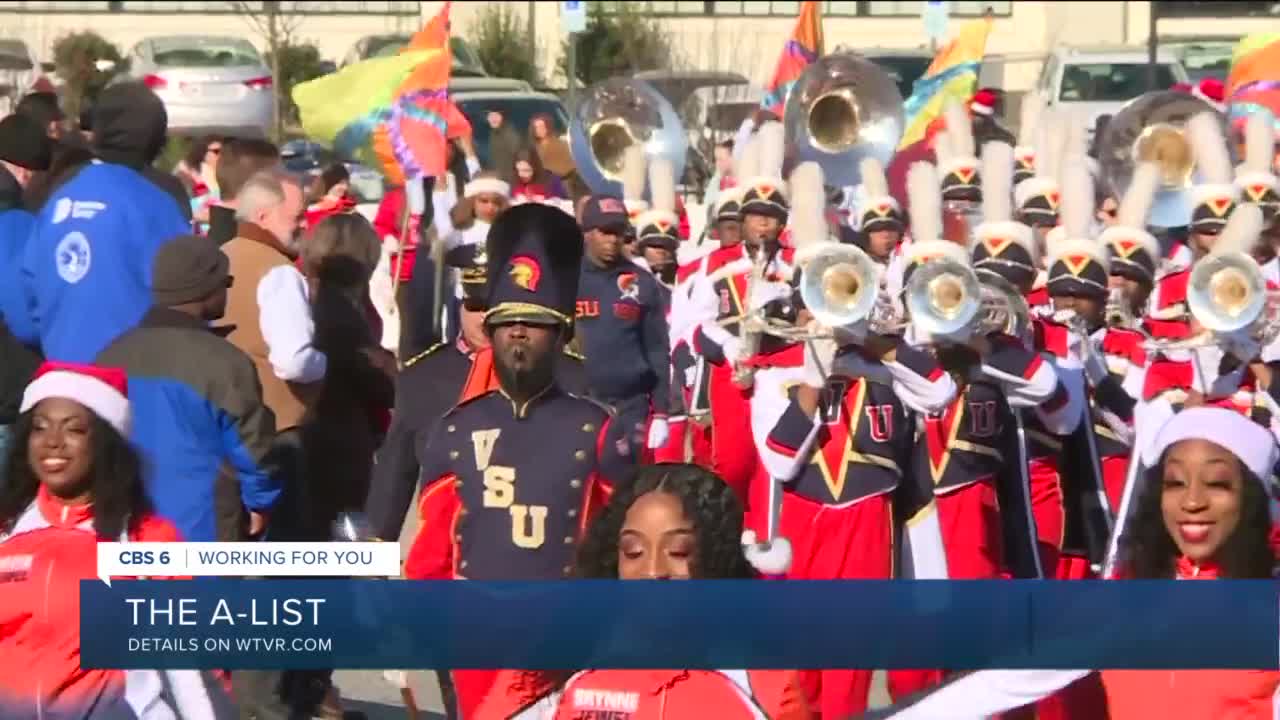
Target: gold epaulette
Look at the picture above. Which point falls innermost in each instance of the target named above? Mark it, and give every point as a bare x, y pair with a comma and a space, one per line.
574, 354
424, 353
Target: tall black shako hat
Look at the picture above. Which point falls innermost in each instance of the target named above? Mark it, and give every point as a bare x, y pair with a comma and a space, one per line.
534, 255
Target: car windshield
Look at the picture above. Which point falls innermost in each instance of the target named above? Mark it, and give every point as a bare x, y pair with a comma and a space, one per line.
518, 112
904, 70
1202, 61
14, 55
204, 52
1110, 82
464, 58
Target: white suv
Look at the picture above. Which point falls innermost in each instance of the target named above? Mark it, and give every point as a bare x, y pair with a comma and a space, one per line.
1095, 81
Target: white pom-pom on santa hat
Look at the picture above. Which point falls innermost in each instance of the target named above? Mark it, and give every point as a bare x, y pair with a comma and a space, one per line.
103, 390
773, 559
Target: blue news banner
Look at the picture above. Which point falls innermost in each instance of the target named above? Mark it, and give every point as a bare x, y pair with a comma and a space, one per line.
958, 625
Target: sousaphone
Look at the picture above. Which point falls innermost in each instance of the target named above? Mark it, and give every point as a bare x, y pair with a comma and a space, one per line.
615, 114
843, 108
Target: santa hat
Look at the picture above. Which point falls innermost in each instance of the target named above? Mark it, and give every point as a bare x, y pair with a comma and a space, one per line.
103, 390
487, 185
983, 102
1078, 264
1212, 91
1003, 246
1251, 443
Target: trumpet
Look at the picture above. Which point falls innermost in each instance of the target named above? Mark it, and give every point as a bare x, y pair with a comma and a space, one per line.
943, 297
1004, 309
1227, 296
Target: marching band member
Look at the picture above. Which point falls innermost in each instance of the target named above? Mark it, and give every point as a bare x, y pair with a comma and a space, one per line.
1214, 196
622, 324
433, 382
658, 228
841, 440
1024, 153
958, 160
512, 477
1036, 198
739, 280
1256, 180
1204, 514
879, 221
969, 448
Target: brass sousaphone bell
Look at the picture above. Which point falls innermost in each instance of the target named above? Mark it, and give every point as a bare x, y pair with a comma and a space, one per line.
943, 297
839, 285
1226, 292
615, 114
1151, 128
843, 108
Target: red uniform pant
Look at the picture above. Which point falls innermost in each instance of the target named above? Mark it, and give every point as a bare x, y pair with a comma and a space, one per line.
1115, 468
969, 518
852, 542
1048, 511
733, 448
470, 687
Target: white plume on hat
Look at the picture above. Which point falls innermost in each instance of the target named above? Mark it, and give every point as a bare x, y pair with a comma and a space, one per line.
925, 197
959, 134
808, 220
1073, 237
1213, 163
1050, 145
875, 188
1241, 231
1029, 124
662, 195
747, 163
1131, 217
997, 201
633, 171
1259, 153
770, 142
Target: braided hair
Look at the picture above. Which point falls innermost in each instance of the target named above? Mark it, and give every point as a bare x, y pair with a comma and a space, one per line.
710, 504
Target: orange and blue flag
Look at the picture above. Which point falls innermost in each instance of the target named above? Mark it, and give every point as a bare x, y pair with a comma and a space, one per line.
802, 49
391, 113
1253, 84
953, 75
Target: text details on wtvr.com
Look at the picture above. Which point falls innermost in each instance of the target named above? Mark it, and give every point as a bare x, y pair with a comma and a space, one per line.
166, 625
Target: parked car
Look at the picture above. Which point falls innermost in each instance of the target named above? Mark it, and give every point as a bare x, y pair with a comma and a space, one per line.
1096, 81
18, 71
518, 107
465, 61
307, 159
1204, 57
209, 84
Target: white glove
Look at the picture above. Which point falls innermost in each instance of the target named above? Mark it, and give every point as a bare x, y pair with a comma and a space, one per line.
763, 293
391, 243
658, 433
772, 558
732, 349
819, 356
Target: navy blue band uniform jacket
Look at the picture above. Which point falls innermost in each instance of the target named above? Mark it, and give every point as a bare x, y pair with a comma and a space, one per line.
621, 321
509, 488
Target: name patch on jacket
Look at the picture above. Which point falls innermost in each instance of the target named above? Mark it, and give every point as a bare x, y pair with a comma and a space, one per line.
605, 704
588, 309
15, 568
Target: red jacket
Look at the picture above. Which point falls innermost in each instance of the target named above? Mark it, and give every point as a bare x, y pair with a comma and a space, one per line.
51, 548
389, 221
326, 207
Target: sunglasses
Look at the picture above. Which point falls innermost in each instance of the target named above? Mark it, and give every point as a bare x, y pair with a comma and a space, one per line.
214, 150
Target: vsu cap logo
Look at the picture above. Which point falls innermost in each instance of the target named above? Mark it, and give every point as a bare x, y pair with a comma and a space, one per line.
525, 272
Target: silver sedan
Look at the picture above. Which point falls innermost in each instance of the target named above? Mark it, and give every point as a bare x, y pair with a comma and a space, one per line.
209, 84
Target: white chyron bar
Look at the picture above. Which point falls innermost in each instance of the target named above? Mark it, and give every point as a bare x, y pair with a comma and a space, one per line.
248, 559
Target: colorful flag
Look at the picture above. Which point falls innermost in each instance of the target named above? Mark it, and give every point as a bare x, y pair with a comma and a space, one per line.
953, 75
392, 113
1254, 80
804, 47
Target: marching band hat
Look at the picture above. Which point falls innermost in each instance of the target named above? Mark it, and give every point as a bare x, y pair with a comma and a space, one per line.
1024, 153
604, 212
534, 256
957, 159
472, 263
1078, 264
766, 192
1134, 252
928, 241
1255, 179
878, 210
728, 205
1214, 196
1002, 247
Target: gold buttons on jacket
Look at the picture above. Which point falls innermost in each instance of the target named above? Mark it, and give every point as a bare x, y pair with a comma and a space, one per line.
463, 564
575, 483
453, 428
573, 512
588, 428
580, 455
568, 541
568, 570
453, 454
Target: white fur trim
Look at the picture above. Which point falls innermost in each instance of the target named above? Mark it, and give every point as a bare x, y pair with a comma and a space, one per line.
687, 253
933, 249
1246, 179
652, 217
1025, 152
982, 109
737, 267
105, 401
733, 194
1020, 234
959, 163
772, 560
487, 185
1213, 103
1119, 233
1078, 246
1033, 187
776, 182
1203, 193
635, 207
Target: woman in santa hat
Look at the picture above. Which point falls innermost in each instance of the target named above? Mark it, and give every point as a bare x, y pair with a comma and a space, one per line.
1203, 513
73, 480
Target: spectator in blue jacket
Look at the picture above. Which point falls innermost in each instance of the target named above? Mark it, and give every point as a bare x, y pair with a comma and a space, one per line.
198, 415
87, 267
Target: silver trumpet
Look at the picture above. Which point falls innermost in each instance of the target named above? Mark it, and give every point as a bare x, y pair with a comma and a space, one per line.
1228, 296
1119, 311
943, 297
1003, 309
